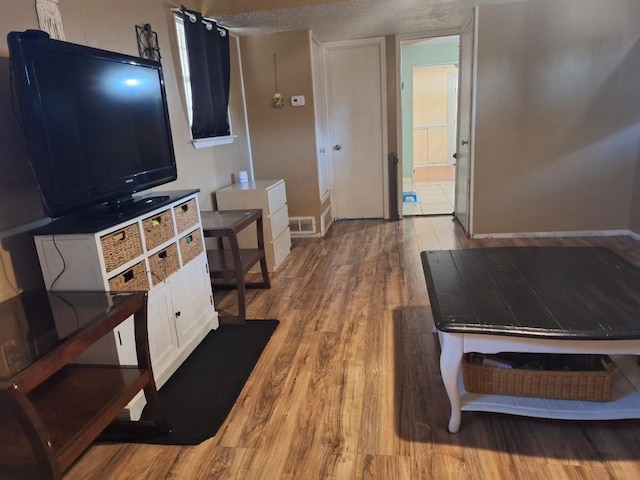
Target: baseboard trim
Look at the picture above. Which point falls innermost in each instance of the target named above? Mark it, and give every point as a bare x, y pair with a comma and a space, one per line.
634, 235
581, 233
306, 235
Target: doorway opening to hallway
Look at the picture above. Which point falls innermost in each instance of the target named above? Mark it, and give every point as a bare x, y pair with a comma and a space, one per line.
429, 99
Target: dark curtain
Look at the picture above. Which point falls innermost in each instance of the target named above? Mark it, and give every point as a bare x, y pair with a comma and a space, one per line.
209, 69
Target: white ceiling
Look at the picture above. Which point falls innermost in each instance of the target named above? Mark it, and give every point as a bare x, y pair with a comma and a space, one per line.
341, 20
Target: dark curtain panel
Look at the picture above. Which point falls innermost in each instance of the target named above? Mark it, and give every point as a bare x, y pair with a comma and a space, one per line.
209, 68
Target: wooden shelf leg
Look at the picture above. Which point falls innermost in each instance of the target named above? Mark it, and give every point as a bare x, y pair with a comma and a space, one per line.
34, 428
240, 286
263, 261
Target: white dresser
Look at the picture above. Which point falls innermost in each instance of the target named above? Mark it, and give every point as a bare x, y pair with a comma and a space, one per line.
271, 197
160, 251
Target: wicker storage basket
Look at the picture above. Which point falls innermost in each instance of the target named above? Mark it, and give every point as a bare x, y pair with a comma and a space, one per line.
594, 385
157, 229
186, 215
163, 263
133, 279
191, 246
121, 246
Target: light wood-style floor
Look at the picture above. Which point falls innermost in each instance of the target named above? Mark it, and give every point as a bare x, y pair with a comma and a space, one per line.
349, 385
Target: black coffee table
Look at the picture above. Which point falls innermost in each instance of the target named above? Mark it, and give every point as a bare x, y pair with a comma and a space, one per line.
539, 300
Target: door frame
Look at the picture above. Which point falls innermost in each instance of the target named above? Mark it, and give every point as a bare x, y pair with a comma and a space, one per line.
426, 35
379, 41
321, 118
471, 22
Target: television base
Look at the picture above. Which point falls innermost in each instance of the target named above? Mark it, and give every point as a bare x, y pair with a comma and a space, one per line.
105, 215
124, 206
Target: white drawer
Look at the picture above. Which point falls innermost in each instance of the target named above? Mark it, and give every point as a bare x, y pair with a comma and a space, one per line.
276, 197
279, 221
281, 247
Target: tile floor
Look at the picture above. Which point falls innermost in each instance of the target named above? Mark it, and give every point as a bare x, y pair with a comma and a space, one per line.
434, 198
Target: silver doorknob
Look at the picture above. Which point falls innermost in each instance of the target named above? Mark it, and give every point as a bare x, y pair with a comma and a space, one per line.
337, 147
465, 142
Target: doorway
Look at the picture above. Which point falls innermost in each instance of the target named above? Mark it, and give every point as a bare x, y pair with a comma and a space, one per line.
429, 99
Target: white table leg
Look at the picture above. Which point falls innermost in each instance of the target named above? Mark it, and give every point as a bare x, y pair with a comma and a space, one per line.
450, 359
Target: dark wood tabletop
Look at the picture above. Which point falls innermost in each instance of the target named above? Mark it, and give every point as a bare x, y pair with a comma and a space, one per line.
583, 293
223, 222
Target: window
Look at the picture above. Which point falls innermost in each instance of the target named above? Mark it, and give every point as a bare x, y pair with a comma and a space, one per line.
199, 140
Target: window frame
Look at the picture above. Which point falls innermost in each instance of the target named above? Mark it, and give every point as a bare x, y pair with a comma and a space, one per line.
183, 55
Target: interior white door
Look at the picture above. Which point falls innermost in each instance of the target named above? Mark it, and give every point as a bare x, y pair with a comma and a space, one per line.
465, 118
355, 94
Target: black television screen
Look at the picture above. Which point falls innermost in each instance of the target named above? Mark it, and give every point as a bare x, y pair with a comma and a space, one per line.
96, 122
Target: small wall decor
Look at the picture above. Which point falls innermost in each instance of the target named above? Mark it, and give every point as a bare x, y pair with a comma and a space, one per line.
278, 101
147, 42
49, 18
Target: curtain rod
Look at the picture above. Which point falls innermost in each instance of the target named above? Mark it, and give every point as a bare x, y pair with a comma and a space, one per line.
206, 21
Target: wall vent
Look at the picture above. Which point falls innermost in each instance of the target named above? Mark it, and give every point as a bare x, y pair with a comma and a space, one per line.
326, 219
302, 225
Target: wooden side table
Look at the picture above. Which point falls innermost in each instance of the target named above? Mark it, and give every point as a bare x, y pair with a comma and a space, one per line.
234, 263
51, 409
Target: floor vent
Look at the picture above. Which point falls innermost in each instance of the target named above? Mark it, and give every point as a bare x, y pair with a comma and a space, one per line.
326, 219
302, 225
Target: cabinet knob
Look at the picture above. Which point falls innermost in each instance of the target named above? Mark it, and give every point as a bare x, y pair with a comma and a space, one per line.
177, 314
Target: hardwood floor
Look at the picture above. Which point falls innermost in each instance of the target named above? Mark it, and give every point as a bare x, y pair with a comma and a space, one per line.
349, 385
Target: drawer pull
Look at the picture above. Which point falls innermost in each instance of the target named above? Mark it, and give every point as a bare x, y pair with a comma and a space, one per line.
162, 254
120, 236
188, 239
156, 221
184, 207
128, 276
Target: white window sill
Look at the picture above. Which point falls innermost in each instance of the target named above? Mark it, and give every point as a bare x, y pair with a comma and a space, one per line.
213, 141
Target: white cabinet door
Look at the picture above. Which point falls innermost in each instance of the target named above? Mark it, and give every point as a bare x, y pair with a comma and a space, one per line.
191, 294
125, 342
116, 348
163, 342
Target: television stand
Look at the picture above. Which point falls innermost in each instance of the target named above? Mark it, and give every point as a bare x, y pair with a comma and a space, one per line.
162, 252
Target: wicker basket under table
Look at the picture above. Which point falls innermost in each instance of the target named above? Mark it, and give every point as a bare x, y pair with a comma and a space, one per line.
574, 385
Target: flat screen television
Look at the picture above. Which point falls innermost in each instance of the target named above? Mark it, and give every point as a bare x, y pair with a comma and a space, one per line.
96, 122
